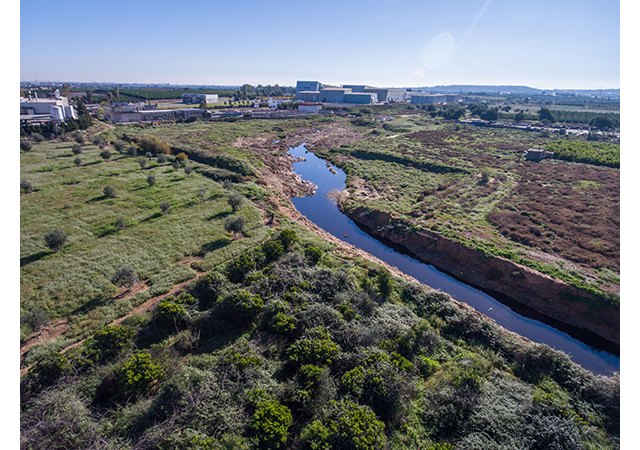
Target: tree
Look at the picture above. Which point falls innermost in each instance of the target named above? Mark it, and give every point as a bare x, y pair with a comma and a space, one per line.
162, 158
55, 239
125, 277
235, 201
188, 170
153, 144
76, 149
26, 187
109, 192
489, 114
519, 117
77, 161
601, 123
544, 115
165, 207
234, 225
105, 154
176, 164
120, 224
84, 118
25, 145
142, 162
78, 137
151, 180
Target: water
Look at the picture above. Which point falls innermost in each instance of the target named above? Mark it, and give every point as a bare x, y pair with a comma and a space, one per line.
325, 213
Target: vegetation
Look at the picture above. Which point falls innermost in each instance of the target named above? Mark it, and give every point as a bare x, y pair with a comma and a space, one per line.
597, 153
55, 239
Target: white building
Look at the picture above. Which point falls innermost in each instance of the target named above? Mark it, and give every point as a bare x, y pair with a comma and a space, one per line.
199, 98
56, 108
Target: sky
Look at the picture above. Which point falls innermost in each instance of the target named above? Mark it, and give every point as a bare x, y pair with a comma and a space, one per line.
543, 43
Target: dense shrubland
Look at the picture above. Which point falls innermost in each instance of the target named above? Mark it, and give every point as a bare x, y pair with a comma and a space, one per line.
289, 347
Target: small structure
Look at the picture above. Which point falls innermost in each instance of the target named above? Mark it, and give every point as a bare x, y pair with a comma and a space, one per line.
196, 99
360, 98
308, 96
302, 86
309, 107
537, 154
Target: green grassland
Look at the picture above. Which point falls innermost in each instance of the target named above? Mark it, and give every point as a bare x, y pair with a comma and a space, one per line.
76, 281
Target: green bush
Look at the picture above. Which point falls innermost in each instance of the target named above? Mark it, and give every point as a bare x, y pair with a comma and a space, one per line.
109, 192
314, 347
153, 144
107, 343
139, 373
125, 277
272, 250
25, 145
287, 237
271, 422
283, 323
26, 187
55, 239
241, 306
313, 254
427, 366
238, 269
345, 425
169, 312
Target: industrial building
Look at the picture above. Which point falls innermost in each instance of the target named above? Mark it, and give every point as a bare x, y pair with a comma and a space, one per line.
45, 109
128, 113
359, 94
536, 154
197, 99
421, 98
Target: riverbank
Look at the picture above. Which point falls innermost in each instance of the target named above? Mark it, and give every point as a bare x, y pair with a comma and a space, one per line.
552, 298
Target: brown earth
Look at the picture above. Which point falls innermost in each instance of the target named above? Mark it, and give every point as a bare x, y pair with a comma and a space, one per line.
550, 297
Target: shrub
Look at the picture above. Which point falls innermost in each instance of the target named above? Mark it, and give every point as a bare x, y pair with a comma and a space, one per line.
171, 313
208, 289
154, 145
25, 145
142, 162
76, 149
165, 207
109, 192
151, 180
36, 318
234, 225
227, 184
139, 373
241, 306
118, 145
202, 193
49, 369
283, 323
120, 223
271, 422
97, 140
107, 343
287, 238
55, 239
427, 366
385, 282
132, 151
314, 347
125, 277
182, 157
77, 161
78, 137
313, 254
235, 201
345, 425
188, 170
162, 158
26, 187
176, 165
238, 269
105, 154
272, 250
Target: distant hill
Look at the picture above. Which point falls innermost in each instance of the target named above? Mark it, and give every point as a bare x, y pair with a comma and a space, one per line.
516, 90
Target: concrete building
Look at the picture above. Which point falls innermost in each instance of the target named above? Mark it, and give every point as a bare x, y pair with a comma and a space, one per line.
127, 114
355, 87
537, 154
333, 95
191, 99
308, 86
386, 95
360, 98
421, 98
309, 107
308, 96
57, 109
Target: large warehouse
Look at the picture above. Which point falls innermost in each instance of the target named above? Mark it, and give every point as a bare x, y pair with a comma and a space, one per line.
358, 94
196, 99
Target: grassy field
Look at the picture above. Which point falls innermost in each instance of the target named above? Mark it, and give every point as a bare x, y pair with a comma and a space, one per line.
473, 185
76, 282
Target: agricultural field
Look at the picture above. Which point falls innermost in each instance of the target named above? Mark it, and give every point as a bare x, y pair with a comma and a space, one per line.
105, 234
473, 185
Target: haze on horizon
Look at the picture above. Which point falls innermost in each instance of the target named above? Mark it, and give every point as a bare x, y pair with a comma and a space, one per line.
563, 45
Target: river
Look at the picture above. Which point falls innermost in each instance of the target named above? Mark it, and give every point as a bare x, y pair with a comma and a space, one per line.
324, 212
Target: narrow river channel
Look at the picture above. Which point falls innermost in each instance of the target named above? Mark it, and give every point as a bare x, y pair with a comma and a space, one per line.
324, 212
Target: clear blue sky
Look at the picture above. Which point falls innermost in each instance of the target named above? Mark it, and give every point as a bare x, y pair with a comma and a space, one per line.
541, 43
